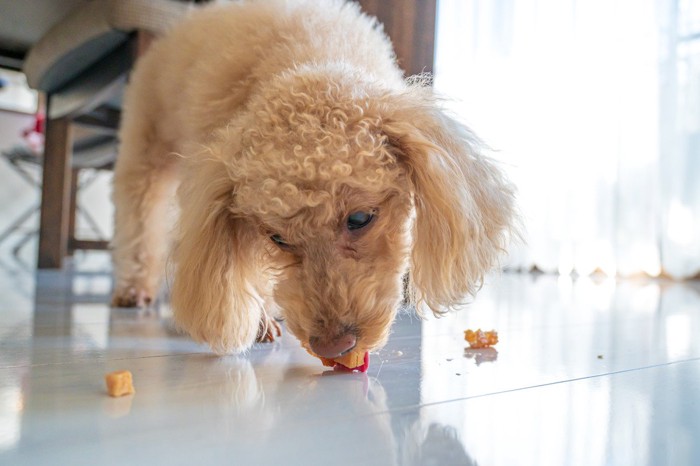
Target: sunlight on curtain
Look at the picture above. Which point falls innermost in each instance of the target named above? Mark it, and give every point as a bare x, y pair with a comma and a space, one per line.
594, 110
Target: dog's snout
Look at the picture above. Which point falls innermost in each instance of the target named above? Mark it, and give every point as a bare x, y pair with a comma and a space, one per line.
332, 347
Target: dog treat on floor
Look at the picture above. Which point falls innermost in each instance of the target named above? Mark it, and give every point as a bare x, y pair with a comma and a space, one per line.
481, 339
119, 383
353, 361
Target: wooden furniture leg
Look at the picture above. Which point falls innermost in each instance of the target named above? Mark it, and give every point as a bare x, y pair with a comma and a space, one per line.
72, 210
411, 26
55, 194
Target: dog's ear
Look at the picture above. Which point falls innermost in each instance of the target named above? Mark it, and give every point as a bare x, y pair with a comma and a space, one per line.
217, 278
464, 206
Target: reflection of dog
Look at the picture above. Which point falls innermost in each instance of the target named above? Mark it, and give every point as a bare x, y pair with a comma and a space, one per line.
434, 444
312, 178
311, 416
317, 417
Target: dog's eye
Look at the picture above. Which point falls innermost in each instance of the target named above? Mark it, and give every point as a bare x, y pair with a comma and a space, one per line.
357, 220
277, 239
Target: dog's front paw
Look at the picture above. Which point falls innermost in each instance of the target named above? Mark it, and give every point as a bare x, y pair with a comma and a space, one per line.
269, 330
131, 297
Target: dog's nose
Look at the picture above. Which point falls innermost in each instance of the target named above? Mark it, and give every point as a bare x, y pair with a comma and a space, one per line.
334, 347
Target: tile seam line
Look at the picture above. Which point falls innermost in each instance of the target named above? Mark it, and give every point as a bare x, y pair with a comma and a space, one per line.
558, 382
66, 363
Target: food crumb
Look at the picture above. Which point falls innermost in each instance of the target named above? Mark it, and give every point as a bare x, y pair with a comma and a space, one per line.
481, 339
119, 383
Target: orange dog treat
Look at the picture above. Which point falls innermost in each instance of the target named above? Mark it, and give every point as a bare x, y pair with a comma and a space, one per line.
119, 383
481, 339
353, 361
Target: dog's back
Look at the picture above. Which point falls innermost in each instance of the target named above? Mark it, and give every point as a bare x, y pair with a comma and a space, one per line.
210, 64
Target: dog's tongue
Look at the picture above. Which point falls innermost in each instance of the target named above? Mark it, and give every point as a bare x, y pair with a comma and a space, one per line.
362, 368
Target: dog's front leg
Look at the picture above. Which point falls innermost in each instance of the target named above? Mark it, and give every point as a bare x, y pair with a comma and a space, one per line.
144, 185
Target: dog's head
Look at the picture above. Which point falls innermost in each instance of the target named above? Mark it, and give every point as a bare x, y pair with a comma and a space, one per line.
330, 189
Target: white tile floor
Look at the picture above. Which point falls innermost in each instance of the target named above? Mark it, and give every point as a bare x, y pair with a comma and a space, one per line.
586, 373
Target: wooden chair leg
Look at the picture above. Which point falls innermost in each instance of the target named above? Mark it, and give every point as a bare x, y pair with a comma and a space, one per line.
55, 194
73, 211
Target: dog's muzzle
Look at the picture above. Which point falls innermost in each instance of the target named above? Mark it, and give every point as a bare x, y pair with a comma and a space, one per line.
333, 347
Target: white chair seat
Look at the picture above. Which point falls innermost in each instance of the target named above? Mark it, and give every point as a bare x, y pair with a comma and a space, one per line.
91, 32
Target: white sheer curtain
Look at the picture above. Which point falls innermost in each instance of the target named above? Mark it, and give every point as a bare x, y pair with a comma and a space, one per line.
594, 109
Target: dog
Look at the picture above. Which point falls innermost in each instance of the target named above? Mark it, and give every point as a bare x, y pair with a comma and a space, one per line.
310, 178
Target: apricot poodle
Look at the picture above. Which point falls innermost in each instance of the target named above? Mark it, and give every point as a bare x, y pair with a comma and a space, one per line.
310, 178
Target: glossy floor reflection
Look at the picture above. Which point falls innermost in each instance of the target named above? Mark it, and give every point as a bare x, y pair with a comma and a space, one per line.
586, 373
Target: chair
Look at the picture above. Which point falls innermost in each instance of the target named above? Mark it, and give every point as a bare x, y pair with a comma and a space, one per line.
94, 152
82, 64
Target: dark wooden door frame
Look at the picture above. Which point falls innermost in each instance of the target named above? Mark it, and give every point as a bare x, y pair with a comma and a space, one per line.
411, 26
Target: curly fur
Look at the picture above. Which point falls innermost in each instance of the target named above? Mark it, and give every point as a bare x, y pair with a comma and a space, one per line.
288, 116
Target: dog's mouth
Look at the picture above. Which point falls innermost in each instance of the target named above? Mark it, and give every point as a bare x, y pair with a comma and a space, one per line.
348, 351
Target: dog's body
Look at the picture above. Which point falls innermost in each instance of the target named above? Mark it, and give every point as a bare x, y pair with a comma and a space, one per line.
311, 177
